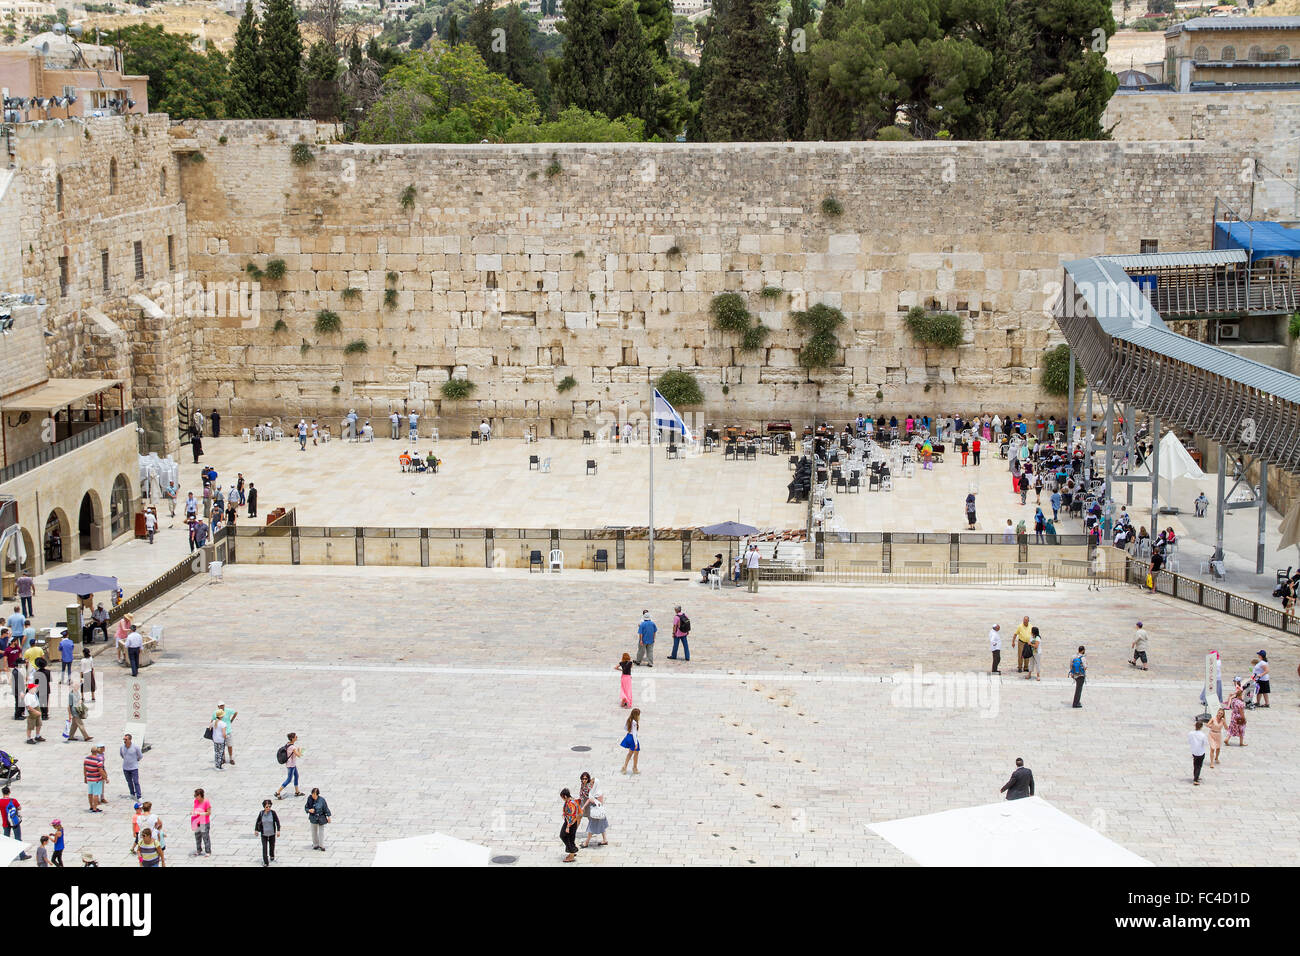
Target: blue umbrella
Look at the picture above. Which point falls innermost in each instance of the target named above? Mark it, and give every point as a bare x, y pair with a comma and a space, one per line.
83, 583
729, 529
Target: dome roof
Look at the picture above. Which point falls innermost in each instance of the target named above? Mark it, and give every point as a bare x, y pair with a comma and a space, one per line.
1132, 79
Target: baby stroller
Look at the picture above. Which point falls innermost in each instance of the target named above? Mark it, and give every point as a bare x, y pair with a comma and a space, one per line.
1249, 691
9, 772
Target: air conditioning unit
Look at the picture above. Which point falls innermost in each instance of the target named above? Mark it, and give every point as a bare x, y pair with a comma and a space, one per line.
1229, 331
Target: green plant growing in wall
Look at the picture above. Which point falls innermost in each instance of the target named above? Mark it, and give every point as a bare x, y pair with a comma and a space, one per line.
328, 322
390, 298
356, 347
408, 198
455, 389
771, 292
351, 294
939, 329
195, 159
335, 389
730, 313
754, 337
726, 390
568, 383
674, 251
832, 207
579, 254
681, 388
1056, 371
304, 348
275, 269
253, 271
221, 140
391, 278
1293, 327
280, 326
554, 168
300, 154
821, 347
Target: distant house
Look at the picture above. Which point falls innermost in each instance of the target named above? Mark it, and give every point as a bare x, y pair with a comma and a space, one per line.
54, 75
1232, 52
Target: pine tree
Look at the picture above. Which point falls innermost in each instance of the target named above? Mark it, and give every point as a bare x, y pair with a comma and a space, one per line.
322, 82
580, 78
282, 82
631, 68
742, 101
794, 69
478, 31
244, 98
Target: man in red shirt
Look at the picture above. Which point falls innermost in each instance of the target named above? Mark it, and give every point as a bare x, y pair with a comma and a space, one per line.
9, 808
92, 769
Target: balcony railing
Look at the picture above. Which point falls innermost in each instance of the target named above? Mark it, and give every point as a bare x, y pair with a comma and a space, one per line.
58, 449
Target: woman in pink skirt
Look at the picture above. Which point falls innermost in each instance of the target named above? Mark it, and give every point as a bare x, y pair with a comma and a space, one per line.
625, 682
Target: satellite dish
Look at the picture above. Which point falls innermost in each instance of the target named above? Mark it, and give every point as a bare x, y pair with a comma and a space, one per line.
60, 29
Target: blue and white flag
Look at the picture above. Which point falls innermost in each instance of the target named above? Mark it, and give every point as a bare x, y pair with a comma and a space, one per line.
666, 416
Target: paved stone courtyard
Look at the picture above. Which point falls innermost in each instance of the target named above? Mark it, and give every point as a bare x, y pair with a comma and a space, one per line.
450, 700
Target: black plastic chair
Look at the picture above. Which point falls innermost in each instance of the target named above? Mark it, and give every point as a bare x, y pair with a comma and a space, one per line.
729, 451
601, 561
854, 486
751, 453
475, 438
591, 466
534, 462
673, 452
535, 561
840, 483
588, 438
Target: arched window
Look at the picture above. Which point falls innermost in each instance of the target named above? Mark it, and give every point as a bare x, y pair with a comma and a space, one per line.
1284, 52
1255, 53
162, 182
1201, 54
58, 193
1228, 55
112, 177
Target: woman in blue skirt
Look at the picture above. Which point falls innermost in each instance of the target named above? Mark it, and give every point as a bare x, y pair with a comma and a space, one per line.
632, 740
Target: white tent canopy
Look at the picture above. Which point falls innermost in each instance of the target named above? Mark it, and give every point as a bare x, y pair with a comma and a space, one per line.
1028, 832
430, 849
1175, 463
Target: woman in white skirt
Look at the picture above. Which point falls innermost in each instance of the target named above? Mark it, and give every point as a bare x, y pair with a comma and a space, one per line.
593, 808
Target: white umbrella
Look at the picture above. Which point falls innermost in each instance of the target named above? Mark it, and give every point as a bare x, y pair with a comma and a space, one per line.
11, 849
1175, 463
430, 849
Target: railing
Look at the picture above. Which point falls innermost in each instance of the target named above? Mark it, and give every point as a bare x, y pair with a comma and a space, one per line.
176, 575
1207, 595
51, 452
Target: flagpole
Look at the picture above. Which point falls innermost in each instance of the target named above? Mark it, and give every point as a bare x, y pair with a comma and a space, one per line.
651, 445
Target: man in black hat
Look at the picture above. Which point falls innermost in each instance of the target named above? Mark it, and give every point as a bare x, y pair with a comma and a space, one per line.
715, 566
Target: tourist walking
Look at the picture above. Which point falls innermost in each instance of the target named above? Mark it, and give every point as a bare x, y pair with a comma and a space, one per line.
751, 568
632, 740
252, 500
995, 645
291, 751
645, 640
1260, 670
58, 837
88, 673
217, 733
131, 755
1022, 484
569, 825
32, 703
66, 649
318, 814
1021, 784
970, 511
1199, 743
1215, 729
1034, 647
1237, 717
1139, 648
681, 631
593, 808
976, 446
1079, 671
227, 719
76, 715
26, 589
149, 850
95, 775
201, 824
12, 819
267, 826
625, 682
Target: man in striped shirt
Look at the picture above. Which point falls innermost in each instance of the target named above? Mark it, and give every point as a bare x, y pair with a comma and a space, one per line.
92, 769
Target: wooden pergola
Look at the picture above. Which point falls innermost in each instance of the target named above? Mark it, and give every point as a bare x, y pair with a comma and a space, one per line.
57, 395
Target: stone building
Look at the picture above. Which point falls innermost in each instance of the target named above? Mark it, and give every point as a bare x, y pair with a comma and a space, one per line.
54, 76
1207, 53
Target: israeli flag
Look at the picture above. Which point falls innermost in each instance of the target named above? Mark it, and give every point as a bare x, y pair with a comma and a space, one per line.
666, 417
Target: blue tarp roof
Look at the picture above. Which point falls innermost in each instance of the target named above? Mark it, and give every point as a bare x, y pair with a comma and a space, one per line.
1264, 239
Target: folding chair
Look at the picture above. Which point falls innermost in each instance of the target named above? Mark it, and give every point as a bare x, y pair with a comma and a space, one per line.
534, 461
601, 561
591, 466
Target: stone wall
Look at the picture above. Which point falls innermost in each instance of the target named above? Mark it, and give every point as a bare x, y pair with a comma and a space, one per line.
518, 266
118, 183
1264, 127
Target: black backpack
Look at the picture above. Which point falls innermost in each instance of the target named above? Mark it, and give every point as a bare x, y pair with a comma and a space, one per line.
282, 755
684, 624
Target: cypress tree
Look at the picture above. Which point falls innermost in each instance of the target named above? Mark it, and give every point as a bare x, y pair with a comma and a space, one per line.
580, 78
322, 82
282, 81
631, 70
453, 31
794, 69
244, 97
742, 101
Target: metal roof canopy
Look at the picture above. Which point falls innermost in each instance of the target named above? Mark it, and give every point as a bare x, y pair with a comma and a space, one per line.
1174, 260
56, 393
1213, 24
1124, 313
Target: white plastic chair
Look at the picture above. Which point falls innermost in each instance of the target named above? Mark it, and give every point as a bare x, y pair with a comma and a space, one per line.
215, 571
248, 437
557, 560
278, 433
715, 580
433, 433
156, 631
546, 466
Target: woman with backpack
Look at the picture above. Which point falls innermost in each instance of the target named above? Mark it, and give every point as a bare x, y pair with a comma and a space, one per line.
681, 631
288, 755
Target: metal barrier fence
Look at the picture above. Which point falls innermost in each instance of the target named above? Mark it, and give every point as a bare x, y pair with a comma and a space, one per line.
1207, 595
51, 452
912, 574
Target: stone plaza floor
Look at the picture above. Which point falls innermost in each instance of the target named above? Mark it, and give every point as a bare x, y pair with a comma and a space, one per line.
451, 700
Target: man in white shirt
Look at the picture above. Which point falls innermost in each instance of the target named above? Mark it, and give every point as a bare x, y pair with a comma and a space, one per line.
393, 420
1198, 742
33, 704
995, 645
134, 643
414, 421
484, 430
751, 568
150, 525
